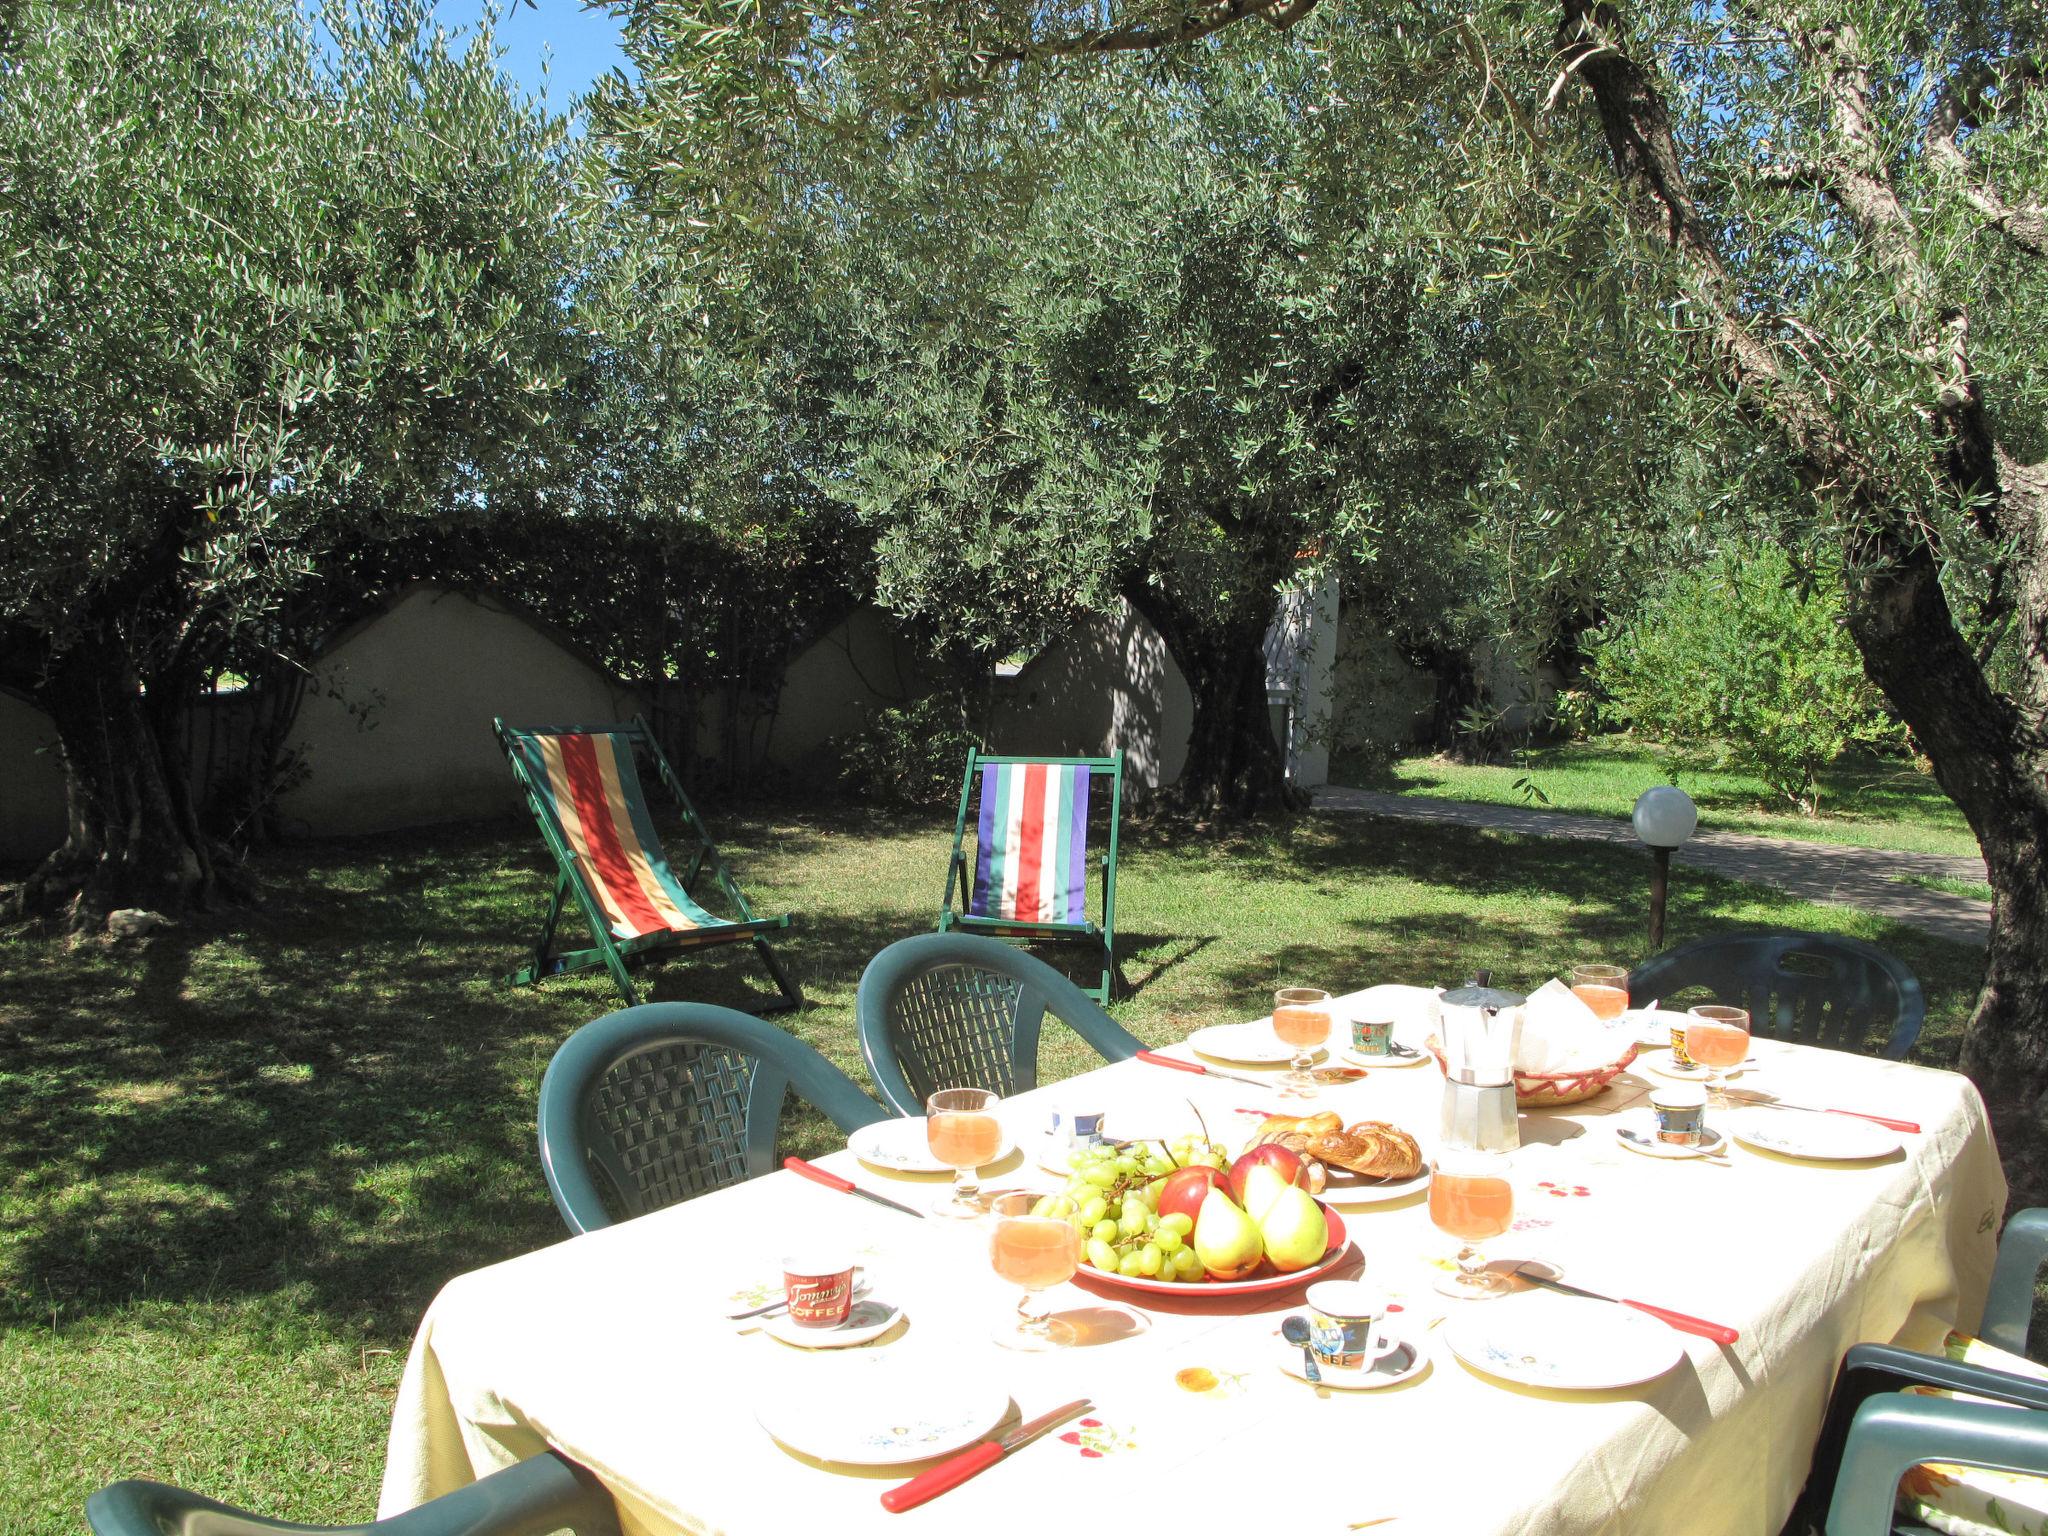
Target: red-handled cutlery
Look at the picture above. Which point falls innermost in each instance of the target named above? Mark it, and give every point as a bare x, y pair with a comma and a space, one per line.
1157, 1060
954, 1471
1720, 1333
830, 1180
1751, 1096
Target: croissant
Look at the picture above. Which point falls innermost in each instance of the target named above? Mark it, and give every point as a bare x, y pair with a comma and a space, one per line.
1370, 1147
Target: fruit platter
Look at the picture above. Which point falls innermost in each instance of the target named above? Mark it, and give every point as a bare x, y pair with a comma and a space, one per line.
1179, 1216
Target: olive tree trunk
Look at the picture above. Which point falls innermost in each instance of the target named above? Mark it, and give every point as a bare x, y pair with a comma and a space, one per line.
1989, 749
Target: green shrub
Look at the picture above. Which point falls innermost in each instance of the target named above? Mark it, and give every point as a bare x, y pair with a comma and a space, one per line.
1744, 655
912, 756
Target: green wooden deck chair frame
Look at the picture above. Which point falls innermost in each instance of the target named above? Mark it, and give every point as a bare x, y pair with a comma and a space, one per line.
1052, 798
645, 905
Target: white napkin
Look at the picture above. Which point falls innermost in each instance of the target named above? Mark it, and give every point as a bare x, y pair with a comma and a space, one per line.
1561, 1034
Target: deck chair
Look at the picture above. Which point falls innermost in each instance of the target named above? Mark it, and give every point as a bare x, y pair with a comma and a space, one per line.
1030, 870
585, 792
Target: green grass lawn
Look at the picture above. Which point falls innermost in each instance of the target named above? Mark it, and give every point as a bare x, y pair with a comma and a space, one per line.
1864, 804
237, 1162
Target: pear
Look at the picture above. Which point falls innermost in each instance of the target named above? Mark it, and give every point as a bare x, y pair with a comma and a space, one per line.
1227, 1241
1293, 1230
1262, 1186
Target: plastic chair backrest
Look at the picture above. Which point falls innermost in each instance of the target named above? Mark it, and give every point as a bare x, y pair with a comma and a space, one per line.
1813, 988
544, 1493
653, 1104
956, 1010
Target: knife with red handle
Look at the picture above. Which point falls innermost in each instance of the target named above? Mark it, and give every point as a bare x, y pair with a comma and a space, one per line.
1157, 1060
1720, 1333
830, 1180
1748, 1096
955, 1470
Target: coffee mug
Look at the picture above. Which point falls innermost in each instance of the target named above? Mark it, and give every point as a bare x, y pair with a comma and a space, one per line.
819, 1288
1372, 1037
1077, 1127
1344, 1325
1681, 1112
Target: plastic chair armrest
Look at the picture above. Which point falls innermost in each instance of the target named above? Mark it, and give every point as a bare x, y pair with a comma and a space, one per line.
2009, 1308
1894, 1433
1873, 1370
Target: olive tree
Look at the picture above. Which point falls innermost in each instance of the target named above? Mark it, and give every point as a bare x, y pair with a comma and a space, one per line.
267, 295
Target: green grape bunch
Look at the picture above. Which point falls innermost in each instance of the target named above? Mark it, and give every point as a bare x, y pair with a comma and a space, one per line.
1112, 1201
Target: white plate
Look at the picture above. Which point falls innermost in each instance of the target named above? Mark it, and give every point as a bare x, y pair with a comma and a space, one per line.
1252, 1044
1360, 1059
865, 1320
900, 1145
1343, 1187
884, 1418
1562, 1343
1644, 1124
1824, 1138
1405, 1364
1667, 1066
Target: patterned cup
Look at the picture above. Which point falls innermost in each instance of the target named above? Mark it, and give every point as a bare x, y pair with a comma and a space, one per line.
1344, 1325
819, 1288
1077, 1127
1372, 1037
1681, 1112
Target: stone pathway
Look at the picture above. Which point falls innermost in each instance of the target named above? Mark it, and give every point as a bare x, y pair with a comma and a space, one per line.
1854, 877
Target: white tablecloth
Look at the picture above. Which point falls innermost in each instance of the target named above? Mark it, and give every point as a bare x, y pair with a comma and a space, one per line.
614, 1347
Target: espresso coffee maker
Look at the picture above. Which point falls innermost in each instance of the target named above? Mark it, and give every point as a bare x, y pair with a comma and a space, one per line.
1481, 1025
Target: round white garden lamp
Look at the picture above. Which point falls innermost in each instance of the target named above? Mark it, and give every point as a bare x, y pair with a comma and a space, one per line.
1664, 817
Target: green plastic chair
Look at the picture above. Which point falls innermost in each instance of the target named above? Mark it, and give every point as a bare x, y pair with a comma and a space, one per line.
950, 1010
543, 1493
584, 788
1871, 1433
654, 1104
1814, 988
1028, 878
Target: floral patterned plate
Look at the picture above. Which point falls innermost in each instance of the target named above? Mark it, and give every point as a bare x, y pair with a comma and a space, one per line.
877, 1419
1562, 1342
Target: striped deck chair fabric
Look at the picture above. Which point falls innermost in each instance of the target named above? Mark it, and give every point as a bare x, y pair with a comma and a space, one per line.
593, 792
1031, 843
587, 793
1031, 863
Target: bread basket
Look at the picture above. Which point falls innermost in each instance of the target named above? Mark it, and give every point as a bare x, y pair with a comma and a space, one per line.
1548, 1090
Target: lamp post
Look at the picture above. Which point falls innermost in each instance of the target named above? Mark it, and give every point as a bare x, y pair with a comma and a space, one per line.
1664, 818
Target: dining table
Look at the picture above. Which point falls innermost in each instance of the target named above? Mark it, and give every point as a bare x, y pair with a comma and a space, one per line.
616, 1348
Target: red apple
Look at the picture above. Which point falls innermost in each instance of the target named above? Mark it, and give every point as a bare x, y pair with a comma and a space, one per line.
1183, 1189
1288, 1165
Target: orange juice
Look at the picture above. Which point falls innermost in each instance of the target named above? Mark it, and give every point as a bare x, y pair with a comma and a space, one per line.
1471, 1206
1712, 1043
1301, 1027
1034, 1251
963, 1138
1606, 1002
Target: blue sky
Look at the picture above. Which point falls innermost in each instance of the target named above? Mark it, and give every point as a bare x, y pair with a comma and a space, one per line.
579, 45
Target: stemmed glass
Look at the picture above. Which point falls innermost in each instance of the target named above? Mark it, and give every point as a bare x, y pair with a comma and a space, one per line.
1717, 1037
1035, 1252
1471, 1199
1301, 1018
961, 1128
1602, 988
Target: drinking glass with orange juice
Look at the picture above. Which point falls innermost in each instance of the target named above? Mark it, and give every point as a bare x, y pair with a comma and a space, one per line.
1471, 1199
1301, 1018
1717, 1037
961, 1128
1036, 1253
1602, 988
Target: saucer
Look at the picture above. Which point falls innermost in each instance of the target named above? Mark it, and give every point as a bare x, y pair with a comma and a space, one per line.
1404, 1364
1638, 1134
865, 1321
1360, 1059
